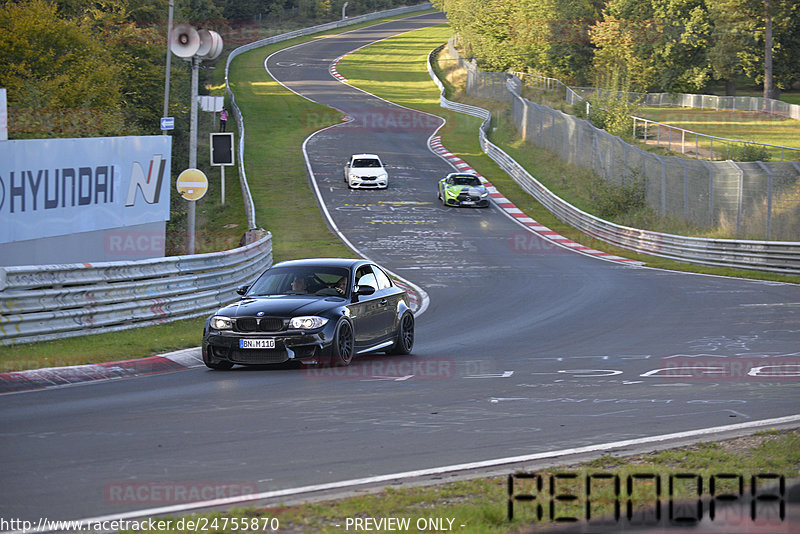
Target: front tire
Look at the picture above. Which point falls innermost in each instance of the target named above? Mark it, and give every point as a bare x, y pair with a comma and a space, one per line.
343, 345
404, 338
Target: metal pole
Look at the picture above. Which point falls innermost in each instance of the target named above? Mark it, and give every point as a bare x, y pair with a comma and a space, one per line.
222, 169
710, 194
739, 193
169, 64
685, 189
663, 186
190, 212
768, 172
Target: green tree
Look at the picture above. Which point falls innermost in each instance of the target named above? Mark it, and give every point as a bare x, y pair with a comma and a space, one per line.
618, 49
483, 27
552, 37
199, 13
668, 39
541, 36
785, 50
729, 38
611, 107
52, 67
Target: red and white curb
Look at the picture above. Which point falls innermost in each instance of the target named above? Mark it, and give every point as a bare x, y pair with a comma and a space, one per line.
511, 209
333, 70
53, 377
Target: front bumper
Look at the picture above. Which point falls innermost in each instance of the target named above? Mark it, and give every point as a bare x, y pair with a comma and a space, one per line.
289, 346
368, 182
470, 202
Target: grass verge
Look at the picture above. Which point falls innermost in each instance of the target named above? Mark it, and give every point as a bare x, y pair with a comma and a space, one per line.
480, 505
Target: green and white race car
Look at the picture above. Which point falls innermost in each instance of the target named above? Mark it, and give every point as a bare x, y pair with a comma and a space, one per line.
463, 189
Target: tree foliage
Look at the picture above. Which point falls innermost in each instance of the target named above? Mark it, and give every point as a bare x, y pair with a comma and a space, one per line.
658, 45
51, 63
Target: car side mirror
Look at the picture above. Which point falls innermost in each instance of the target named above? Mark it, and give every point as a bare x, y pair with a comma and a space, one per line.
364, 290
241, 290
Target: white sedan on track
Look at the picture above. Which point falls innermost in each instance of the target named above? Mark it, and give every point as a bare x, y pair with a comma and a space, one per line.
366, 171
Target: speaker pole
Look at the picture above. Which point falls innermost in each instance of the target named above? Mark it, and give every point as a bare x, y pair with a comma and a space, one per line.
169, 63
190, 215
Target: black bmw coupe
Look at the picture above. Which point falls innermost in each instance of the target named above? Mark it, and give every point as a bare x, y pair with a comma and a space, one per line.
312, 311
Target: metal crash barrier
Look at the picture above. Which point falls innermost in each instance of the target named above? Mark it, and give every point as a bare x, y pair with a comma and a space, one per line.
44, 302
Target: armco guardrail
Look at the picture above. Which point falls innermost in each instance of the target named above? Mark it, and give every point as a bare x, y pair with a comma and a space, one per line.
38, 303
774, 256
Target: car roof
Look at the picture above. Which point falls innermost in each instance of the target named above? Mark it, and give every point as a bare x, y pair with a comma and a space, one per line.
347, 263
465, 174
373, 156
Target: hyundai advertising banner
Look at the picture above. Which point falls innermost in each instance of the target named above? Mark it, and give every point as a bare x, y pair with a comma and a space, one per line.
56, 187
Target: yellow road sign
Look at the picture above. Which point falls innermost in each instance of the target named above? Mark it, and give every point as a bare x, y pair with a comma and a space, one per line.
192, 184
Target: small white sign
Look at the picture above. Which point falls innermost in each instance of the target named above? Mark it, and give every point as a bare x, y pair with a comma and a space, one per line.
211, 103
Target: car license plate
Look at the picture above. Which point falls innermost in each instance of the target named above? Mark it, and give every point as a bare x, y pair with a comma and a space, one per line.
468, 203
257, 343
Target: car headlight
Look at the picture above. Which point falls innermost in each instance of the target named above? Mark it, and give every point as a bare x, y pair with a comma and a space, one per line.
307, 323
219, 322
484, 195
354, 177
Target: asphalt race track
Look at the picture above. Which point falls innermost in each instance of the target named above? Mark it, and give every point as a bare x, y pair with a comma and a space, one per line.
524, 348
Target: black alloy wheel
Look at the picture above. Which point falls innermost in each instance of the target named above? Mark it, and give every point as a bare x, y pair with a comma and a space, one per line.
342, 344
404, 340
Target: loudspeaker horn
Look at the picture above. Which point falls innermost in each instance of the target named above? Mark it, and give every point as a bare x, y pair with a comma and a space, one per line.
185, 41
216, 46
205, 43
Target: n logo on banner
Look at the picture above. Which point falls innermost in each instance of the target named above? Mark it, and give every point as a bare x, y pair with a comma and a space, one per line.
149, 185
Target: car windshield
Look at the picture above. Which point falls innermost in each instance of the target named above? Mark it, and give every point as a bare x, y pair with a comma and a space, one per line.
366, 162
317, 281
466, 180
